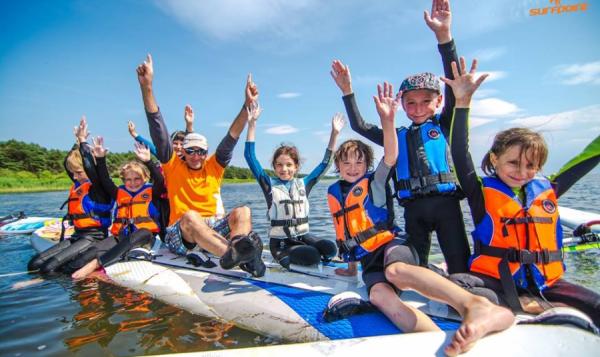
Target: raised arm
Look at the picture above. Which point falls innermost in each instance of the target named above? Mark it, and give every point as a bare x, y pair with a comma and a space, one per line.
188, 117
440, 22
158, 129
225, 149
337, 124
249, 150
341, 75
143, 154
107, 183
464, 85
577, 167
387, 105
97, 191
140, 139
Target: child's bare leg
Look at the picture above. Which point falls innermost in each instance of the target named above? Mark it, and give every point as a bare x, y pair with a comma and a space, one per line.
480, 317
405, 317
86, 269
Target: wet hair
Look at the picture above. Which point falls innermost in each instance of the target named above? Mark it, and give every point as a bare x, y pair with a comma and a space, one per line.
74, 160
289, 150
531, 143
136, 167
177, 135
358, 148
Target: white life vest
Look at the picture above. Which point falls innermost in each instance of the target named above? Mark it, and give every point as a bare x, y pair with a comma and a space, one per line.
288, 213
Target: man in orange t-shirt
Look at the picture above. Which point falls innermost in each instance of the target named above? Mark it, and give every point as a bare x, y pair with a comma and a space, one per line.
194, 188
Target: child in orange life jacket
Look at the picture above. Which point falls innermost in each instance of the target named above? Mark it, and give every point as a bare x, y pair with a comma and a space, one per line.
362, 210
424, 182
89, 208
136, 219
517, 236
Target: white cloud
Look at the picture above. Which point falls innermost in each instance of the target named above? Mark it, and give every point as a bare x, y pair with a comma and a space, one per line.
577, 118
586, 73
476, 121
493, 107
288, 95
494, 75
484, 93
281, 130
488, 54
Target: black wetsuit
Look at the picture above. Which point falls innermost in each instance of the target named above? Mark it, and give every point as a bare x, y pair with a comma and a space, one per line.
561, 291
439, 212
85, 244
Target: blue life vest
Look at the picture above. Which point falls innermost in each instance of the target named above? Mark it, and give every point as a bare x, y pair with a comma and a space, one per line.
424, 151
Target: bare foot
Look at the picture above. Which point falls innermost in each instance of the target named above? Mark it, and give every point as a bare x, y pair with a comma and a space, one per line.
481, 318
86, 269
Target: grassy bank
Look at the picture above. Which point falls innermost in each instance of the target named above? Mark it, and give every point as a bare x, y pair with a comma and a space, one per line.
21, 182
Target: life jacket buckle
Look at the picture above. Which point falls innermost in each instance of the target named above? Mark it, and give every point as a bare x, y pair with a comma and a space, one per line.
525, 256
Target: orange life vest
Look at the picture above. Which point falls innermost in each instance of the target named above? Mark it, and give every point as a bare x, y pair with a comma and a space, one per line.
519, 243
360, 226
85, 213
134, 210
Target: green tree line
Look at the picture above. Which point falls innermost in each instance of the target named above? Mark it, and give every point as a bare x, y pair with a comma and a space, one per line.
27, 164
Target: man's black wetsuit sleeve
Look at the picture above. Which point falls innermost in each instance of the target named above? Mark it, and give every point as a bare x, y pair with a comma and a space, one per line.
160, 136
224, 151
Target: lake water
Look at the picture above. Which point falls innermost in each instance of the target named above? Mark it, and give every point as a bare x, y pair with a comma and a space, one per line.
57, 316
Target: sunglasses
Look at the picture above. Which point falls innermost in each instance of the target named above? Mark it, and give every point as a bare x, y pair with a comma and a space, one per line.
198, 151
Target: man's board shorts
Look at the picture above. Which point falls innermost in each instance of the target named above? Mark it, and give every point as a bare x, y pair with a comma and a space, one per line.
375, 263
174, 237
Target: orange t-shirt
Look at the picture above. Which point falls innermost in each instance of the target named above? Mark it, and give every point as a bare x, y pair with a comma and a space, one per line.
198, 190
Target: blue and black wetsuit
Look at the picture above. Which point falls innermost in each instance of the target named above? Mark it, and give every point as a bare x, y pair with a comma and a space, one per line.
428, 205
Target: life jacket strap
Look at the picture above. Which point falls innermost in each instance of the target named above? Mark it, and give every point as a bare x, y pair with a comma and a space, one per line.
293, 222
525, 220
360, 237
129, 204
522, 256
345, 210
422, 182
134, 220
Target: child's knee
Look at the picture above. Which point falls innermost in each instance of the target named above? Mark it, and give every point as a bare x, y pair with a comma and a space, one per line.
378, 296
397, 273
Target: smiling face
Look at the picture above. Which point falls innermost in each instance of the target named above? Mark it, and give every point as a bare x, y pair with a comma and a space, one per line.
514, 166
178, 147
132, 180
195, 157
285, 167
421, 104
352, 167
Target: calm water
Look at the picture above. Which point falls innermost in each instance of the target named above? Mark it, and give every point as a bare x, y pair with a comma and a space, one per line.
57, 316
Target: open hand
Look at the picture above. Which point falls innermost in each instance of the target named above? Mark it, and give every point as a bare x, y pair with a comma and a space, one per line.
142, 152
251, 91
385, 102
464, 83
440, 19
99, 150
341, 75
145, 72
188, 115
81, 130
254, 111
131, 128
337, 123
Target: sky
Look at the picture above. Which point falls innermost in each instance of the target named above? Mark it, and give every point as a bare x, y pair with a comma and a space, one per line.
61, 59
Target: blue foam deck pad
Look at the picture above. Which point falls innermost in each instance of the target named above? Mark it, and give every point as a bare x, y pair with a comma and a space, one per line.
311, 304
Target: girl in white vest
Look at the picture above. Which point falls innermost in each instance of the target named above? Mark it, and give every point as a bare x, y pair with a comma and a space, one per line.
287, 198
